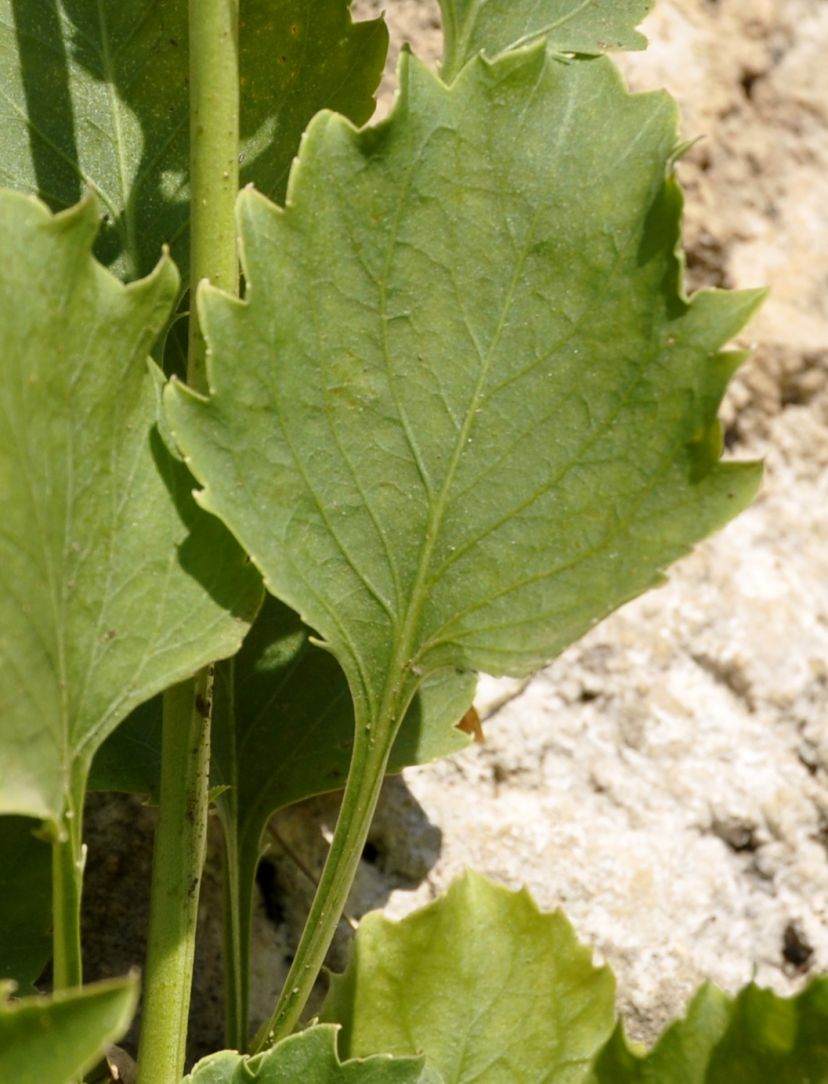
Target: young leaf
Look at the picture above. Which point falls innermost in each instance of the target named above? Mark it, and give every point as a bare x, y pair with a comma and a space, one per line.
50, 1040
569, 26
482, 983
113, 585
311, 1058
25, 903
95, 96
501, 419
754, 1038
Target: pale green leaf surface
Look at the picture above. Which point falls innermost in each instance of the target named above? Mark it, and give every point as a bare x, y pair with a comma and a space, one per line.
25, 903
309, 1057
93, 94
50, 1040
113, 584
489, 988
464, 411
576, 26
754, 1038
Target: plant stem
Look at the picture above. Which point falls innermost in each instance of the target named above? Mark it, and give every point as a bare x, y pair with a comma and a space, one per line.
178, 858
185, 773
68, 858
362, 790
214, 160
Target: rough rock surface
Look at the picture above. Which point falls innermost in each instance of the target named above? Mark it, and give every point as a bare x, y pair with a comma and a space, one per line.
666, 780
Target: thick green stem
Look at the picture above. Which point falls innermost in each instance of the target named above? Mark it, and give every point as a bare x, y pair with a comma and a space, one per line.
68, 856
214, 160
178, 859
185, 773
365, 777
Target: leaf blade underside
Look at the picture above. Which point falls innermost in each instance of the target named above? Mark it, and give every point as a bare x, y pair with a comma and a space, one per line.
114, 584
501, 420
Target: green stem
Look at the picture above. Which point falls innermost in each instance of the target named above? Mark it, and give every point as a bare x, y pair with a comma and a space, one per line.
185, 772
178, 859
214, 160
68, 857
365, 776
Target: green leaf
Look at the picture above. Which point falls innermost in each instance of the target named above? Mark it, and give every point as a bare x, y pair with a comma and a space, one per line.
25, 903
681, 1055
569, 26
752, 1039
311, 1058
113, 585
51, 1040
129, 761
486, 986
94, 95
464, 411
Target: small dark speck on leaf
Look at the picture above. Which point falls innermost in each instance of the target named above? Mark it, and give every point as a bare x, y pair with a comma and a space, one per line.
203, 706
110, 634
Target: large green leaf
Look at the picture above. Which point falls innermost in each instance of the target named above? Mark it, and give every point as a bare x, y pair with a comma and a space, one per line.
113, 584
25, 903
464, 411
51, 1040
577, 26
93, 94
486, 986
753, 1039
311, 1058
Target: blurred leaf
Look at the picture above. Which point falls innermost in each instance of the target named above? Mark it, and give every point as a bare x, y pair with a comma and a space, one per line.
94, 96
756, 1038
309, 1058
569, 26
25, 903
51, 1040
486, 986
113, 584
